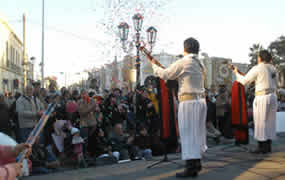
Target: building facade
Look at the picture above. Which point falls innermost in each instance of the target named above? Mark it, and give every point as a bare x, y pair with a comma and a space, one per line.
122, 74
11, 60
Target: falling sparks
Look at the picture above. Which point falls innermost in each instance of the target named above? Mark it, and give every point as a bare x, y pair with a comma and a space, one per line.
117, 11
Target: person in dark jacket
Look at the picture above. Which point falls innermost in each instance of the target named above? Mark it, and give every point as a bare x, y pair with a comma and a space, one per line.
143, 142
4, 116
120, 143
101, 145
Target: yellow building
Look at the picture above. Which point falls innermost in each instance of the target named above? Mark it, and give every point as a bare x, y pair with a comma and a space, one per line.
11, 59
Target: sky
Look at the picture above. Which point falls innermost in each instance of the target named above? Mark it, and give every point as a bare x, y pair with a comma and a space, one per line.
75, 38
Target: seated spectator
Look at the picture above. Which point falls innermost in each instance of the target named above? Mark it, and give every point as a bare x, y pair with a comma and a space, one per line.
142, 141
121, 143
43, 160
101, 148
9, 171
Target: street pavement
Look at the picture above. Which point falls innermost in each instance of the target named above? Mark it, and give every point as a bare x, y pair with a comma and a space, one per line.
222, 162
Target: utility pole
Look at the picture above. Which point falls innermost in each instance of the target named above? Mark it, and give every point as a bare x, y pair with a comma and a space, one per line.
43, 38
65, 78
25, 63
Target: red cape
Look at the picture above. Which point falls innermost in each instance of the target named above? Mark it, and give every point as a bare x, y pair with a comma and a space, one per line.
239, 113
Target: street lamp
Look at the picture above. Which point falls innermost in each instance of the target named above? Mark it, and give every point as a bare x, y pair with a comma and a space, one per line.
123, 32
32, 59
43, 44
151, 37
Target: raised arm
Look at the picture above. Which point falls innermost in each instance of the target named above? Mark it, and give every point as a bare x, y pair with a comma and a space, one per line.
170, 73
248, 78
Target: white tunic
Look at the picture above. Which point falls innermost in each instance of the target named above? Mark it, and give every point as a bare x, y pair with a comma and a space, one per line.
264, 106
188, 73
192, 113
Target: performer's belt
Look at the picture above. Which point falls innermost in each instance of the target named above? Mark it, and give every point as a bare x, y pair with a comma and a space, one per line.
264, 92
192, 96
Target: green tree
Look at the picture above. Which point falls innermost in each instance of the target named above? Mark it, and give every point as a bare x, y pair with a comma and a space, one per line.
277, 48
254, 53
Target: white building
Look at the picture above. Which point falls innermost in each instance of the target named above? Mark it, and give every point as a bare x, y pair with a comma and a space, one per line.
11, 59
241, 67
146, 69
218, 71
122, 73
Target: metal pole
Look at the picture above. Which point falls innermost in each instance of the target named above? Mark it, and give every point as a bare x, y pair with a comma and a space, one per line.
24, 50
138, 73
138, 59
43, 38
65, 78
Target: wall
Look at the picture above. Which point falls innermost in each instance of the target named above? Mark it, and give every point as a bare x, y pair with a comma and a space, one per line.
11, 59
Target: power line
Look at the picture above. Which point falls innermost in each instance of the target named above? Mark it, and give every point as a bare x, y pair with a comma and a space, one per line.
72, 34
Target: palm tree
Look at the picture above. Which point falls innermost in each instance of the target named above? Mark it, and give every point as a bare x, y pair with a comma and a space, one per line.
277, 48
254, 53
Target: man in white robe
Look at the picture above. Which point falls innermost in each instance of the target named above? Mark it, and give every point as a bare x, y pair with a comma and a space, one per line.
265, 105
190, 73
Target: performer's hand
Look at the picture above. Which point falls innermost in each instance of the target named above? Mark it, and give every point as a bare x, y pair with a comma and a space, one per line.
232, 67
21, 147
235, 70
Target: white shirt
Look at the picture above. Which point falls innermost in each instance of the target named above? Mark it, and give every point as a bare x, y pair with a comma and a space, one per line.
262, 74
188, 72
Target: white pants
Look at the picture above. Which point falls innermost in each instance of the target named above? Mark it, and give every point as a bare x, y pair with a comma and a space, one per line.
264, 115
192, 128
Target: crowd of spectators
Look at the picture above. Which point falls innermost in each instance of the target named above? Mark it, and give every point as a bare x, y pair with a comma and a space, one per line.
88, 129
85, 128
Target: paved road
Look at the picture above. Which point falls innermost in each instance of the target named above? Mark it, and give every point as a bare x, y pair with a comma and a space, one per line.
223, 162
